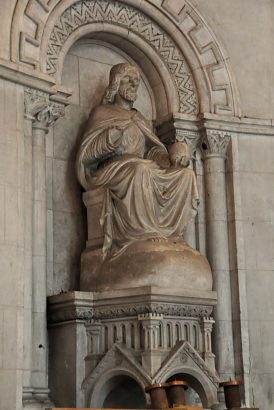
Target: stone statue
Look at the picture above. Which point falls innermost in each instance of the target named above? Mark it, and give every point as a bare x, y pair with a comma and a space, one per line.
149, 197
146, 197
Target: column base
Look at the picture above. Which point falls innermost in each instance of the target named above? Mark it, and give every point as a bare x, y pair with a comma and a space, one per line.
36, 398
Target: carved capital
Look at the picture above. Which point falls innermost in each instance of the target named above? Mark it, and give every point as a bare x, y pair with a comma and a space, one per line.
39, 108
214, 143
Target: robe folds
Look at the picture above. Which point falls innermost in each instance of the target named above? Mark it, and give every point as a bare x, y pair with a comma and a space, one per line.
119, 153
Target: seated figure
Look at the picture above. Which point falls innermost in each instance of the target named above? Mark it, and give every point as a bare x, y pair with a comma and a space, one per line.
148, 195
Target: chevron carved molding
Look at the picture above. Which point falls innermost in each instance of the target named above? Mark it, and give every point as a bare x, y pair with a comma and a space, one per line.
40, 29
89, 11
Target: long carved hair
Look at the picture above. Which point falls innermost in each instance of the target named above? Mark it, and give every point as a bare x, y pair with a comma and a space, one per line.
116, 73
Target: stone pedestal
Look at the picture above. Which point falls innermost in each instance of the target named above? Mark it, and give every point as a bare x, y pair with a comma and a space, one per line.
147, 263
146, 334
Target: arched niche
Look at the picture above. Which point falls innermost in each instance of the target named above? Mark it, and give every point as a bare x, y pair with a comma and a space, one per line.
107, 391
197, 381
135, 33
157, 77
94, 56
183, 30
86, 69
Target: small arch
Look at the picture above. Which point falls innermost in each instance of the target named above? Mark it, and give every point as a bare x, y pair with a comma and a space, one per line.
132, 336
141, 335
114, 334
106, 339
186, 332
206, 390
192, 396
124, 334
195, 337
160, 336
208, 346
169, 334
118, 388
177, 332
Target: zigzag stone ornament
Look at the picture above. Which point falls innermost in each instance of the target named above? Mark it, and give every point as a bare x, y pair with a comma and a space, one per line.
95, 11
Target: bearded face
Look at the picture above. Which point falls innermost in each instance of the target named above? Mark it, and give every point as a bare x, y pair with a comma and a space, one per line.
129, 84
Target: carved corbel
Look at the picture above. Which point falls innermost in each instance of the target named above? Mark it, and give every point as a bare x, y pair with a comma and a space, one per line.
214, 143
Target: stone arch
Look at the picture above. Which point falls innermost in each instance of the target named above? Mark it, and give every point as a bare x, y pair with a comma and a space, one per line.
155, 72
206, 390
131, 26
95, 397
207, 84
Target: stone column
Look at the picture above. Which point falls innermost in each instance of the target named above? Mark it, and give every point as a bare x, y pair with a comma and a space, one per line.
42, 114
27, 365
151, 356
213, 147
206, 328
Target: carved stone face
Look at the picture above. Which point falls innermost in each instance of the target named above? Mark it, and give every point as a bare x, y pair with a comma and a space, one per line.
129, 84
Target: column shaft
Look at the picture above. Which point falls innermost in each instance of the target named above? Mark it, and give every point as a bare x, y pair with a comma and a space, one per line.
217, 249
27, 375
40, 377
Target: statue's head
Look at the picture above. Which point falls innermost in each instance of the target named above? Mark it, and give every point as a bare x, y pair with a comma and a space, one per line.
124, 79
179, 154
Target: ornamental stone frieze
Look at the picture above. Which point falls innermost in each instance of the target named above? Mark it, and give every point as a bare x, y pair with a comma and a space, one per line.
169, 309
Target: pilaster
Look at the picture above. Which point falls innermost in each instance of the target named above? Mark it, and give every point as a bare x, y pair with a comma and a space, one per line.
151, 357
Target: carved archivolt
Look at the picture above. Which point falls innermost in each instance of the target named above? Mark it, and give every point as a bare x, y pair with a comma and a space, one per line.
180, 30
89, 11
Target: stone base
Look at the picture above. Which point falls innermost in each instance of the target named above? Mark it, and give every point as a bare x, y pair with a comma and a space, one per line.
170, 263
151, 333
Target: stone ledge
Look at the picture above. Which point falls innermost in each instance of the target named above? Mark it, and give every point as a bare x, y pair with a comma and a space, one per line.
130, 302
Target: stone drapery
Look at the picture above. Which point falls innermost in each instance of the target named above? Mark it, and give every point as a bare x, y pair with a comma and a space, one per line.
142, 200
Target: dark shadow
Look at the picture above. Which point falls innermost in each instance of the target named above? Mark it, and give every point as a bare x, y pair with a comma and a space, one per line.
123, 392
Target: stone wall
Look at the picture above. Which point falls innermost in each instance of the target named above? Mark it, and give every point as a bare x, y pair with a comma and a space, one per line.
15, 243
245, 29
253, 175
